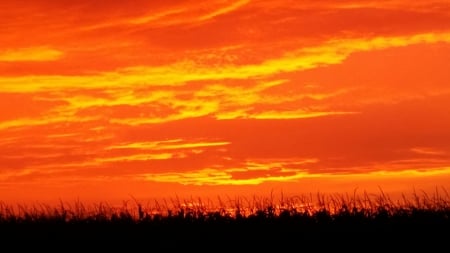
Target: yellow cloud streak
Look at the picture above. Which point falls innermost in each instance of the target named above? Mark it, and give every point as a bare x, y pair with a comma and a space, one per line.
36, 54
143, 145
237, 95
416, 6
331, 52
119, 97
28, 122
297, 114
218, 177
190, 109
220, 100
174, 144
249, 97
136, 157
211, 176
154, 17
168, 145
266, 164
174, 16
144, 19
227, 9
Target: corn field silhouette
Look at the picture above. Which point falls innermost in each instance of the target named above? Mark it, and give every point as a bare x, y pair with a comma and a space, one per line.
312, 218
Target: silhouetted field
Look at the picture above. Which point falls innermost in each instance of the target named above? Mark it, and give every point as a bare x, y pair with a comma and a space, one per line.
320, 220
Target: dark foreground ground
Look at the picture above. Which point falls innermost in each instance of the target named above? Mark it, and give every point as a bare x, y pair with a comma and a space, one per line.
336, 224
258, 234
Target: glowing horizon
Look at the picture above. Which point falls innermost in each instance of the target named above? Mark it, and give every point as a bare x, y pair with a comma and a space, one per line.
104, 100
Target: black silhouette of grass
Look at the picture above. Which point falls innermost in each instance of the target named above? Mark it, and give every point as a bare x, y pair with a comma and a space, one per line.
314, 218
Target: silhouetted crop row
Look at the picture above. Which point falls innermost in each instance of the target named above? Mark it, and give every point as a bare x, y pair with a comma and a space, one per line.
319, 207
307, 217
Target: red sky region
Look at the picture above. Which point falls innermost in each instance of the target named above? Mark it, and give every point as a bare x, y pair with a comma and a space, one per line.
101, 101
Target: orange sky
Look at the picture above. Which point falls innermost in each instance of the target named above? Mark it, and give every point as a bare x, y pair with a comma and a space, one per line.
103, 100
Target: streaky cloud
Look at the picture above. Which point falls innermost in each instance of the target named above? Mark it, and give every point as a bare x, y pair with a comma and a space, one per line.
30, 54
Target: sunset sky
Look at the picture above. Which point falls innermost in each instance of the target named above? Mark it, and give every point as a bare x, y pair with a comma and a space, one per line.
103, 100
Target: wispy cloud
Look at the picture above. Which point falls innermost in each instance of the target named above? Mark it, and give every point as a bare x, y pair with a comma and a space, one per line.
30, 54
220, 177
298, 114
331, 52
427, 151
224, 10
168, 145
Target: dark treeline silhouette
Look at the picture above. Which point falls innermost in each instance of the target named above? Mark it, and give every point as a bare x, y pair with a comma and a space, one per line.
263, 222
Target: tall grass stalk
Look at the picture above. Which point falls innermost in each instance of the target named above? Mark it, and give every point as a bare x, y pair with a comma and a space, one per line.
315, 206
